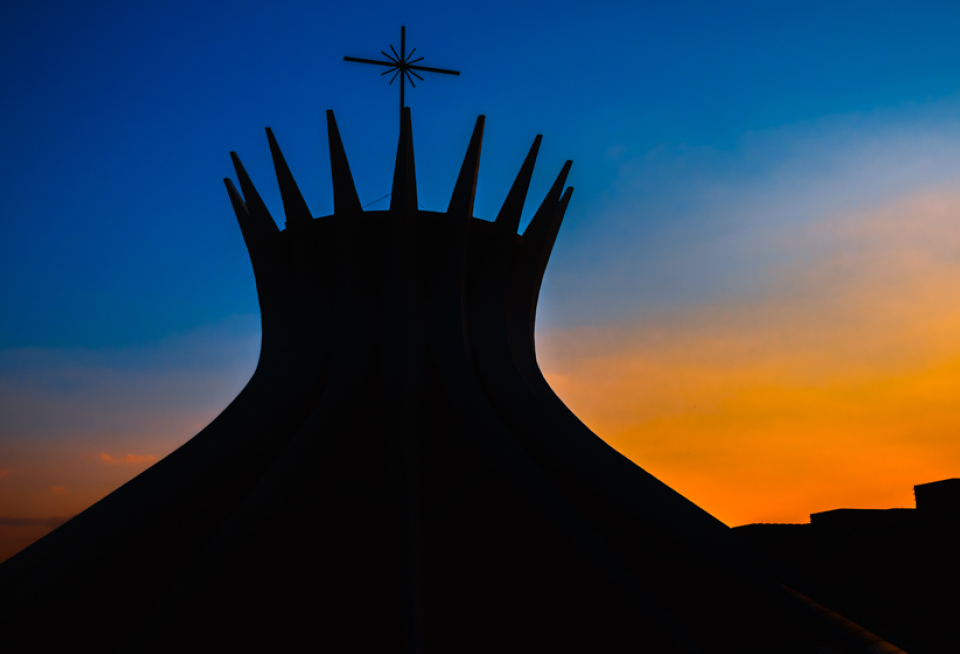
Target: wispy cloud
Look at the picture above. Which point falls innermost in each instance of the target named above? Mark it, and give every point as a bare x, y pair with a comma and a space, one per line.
683, 225
128, 459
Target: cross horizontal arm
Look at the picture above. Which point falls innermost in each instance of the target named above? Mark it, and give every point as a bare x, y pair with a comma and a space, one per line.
392, 64
432, 70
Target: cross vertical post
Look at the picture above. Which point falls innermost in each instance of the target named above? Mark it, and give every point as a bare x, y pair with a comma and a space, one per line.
403, 57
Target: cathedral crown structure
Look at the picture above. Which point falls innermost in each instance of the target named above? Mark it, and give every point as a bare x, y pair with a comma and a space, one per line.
398, 476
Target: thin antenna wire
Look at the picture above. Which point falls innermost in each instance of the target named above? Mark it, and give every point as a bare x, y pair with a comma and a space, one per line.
387, 196
377, 200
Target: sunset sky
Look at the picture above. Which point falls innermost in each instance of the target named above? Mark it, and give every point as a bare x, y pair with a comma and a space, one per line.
755, 295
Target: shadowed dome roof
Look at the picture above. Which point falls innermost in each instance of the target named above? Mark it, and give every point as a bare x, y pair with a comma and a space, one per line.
397, 476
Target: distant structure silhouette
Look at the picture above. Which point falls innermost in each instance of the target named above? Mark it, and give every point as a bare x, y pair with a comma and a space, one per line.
397, 476
898, 566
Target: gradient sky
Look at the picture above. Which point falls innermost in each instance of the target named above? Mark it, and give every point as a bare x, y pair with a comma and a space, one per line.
755, 295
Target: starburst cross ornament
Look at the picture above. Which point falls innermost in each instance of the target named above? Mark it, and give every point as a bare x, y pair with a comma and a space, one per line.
402, 65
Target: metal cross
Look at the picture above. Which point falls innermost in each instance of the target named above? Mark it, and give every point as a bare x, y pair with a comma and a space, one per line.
402, 64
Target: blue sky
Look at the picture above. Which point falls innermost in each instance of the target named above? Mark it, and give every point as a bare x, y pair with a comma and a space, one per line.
118, 119
711, 142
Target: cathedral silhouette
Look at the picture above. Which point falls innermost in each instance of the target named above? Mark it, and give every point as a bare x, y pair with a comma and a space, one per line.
397, 475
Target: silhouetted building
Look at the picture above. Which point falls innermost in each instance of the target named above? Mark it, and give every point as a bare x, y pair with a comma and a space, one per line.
397, 476
938, 499
898, 566
864, 520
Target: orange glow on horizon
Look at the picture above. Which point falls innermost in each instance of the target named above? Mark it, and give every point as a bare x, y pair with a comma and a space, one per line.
840, 388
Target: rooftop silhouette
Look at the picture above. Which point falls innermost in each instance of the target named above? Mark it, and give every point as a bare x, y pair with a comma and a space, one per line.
897, 565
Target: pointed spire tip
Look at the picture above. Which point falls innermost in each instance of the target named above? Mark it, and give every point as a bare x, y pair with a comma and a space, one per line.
345, 198
294, 206
404, 192
509, 215
464, 193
